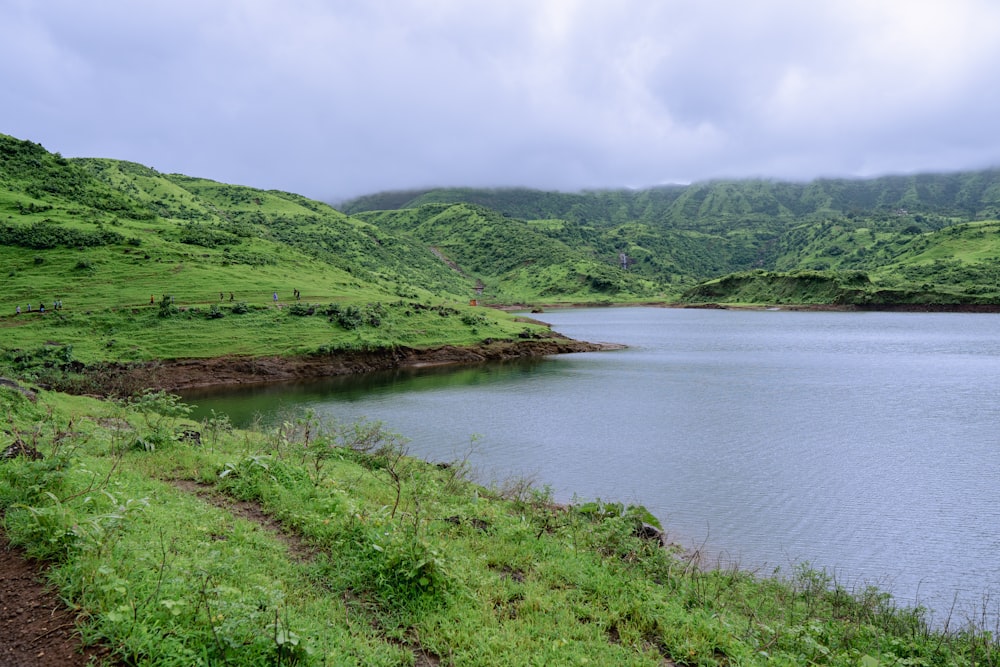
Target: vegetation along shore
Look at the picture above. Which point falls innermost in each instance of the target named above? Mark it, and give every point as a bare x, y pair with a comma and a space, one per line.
165, 541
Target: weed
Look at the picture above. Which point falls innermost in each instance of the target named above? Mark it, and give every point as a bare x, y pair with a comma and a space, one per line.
160, 411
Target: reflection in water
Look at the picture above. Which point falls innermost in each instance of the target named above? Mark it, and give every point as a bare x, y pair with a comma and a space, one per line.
269, 402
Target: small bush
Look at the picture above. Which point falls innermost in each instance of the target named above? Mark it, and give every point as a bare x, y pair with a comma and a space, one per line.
167, 307
301, 309
353, 317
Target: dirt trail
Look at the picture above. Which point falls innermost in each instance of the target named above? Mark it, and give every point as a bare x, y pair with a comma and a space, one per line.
37, 629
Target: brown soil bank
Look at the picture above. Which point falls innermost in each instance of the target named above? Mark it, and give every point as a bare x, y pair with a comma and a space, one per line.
177, 374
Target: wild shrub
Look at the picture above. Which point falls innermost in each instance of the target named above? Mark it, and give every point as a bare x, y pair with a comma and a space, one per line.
160, 412
195, 233
352, 317
301, 309
216, 425
55, 529
472, 320
50, 364
405, 567
45, 235
254, 477
28, 479
167, 307
347, 317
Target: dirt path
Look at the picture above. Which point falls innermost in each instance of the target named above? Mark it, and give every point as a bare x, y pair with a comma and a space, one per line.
36, 628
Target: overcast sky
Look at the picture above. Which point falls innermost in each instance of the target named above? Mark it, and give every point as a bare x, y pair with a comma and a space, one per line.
338, 98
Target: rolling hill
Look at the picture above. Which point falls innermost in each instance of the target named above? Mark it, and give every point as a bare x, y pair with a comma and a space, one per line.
681, 236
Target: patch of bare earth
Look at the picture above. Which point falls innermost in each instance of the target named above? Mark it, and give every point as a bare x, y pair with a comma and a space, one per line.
178, 374
36, 628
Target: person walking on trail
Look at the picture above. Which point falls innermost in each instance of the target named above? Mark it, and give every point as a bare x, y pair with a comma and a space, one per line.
230, 296
276, 297
17, 311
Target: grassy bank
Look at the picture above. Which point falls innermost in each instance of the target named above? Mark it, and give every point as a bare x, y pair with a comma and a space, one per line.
323, 543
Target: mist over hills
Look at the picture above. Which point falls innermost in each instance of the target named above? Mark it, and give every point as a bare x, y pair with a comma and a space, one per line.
970, 195
919, 238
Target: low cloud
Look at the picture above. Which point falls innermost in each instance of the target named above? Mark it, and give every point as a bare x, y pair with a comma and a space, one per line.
337, 99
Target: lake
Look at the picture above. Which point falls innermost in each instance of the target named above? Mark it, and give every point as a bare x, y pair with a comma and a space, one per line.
862, 443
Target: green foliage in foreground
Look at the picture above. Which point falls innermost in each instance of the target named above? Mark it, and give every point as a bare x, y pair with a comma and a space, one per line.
324, 544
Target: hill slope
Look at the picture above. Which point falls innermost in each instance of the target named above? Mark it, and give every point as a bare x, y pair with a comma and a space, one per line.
512, 260
678, 236
152, 266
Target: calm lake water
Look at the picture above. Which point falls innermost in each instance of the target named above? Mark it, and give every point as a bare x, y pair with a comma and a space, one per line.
862, 443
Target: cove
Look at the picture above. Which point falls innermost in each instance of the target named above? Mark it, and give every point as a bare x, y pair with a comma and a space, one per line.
862, 443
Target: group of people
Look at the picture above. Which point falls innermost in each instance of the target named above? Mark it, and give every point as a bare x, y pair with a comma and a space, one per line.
56, 305
296, 293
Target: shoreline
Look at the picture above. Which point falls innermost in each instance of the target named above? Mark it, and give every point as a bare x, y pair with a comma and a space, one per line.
714, 305
117, 379
122, 379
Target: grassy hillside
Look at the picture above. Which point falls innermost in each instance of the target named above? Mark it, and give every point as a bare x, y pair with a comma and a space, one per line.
322, 543
851, 264
100, 234
514, 261
152, 266
680, 236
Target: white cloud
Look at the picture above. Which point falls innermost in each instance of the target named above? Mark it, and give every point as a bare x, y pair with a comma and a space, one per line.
341, 98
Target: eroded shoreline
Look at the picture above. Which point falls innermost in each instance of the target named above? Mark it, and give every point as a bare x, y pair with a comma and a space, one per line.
180, 374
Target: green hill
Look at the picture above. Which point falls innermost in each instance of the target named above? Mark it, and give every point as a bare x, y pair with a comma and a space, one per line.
513, 260
680, 236
149, 266
112, 240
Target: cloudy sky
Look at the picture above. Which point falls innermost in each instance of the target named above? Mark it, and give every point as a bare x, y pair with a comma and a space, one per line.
338, 98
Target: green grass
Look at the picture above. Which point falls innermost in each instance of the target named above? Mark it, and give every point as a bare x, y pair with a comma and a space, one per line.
208, 247
322, 543
100, 234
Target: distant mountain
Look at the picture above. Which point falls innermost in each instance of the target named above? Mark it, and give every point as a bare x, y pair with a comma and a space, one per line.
974, 194
680, 235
